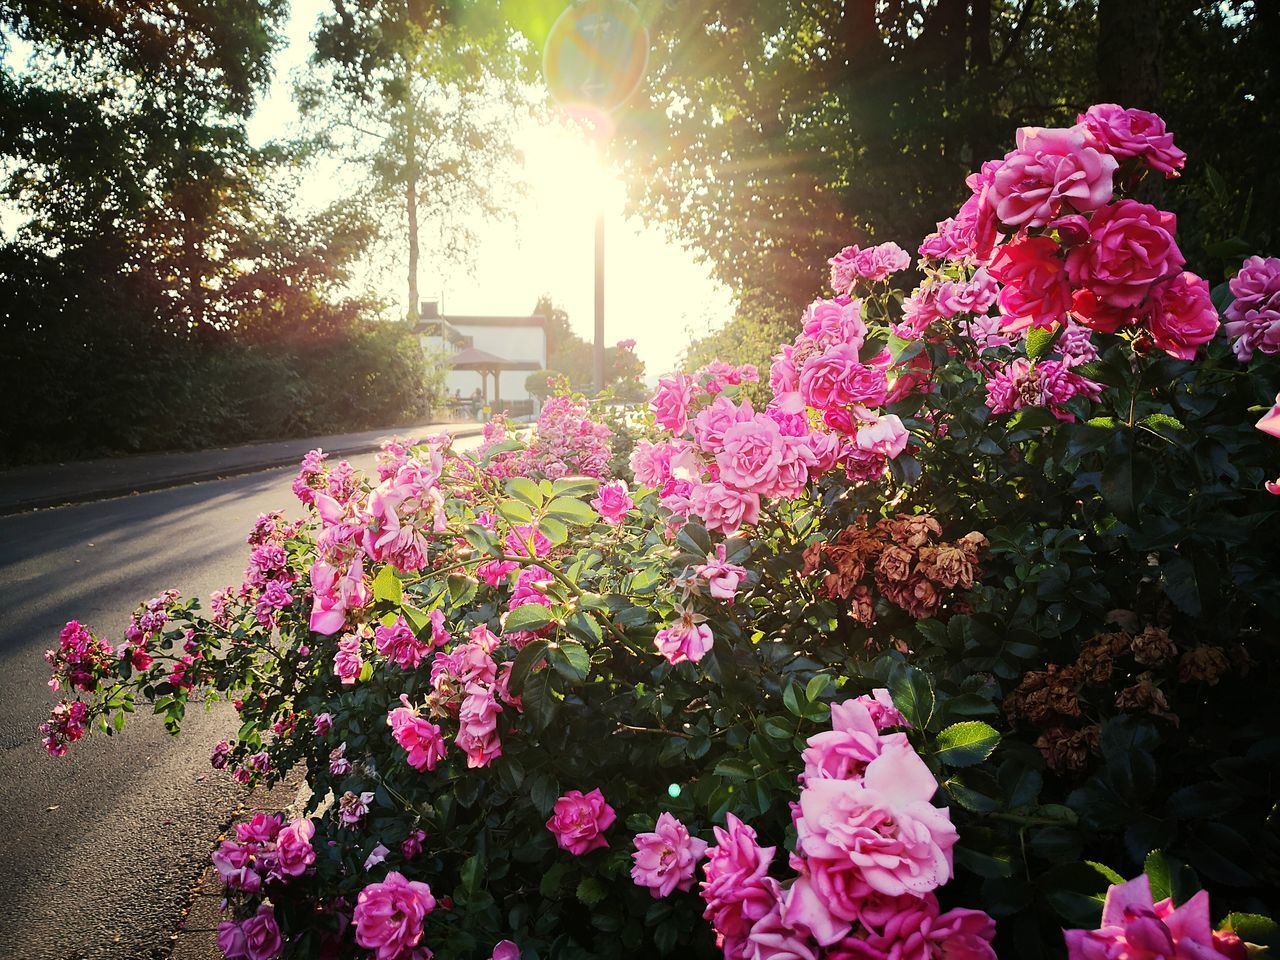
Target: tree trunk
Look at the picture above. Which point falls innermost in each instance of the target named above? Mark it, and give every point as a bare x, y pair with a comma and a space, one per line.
411, 183
1129, 53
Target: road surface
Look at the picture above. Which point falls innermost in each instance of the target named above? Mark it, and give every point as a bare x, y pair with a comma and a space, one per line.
99, 848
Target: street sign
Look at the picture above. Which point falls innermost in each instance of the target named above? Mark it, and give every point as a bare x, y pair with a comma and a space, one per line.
596, 54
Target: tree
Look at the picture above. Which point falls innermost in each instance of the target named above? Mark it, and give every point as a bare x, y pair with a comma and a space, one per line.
410, 93
572, 356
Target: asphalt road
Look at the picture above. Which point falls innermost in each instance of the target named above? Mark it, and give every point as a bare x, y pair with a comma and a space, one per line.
99, 848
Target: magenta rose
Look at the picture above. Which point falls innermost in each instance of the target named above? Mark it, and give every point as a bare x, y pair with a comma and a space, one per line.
722, 578
843, 269
579, 820
854, 740
1134, 926
613, 501
389, 916
885, 436
262, 935
1134, 133
666, 858
1036, 292
478, 726
837, 378
670, 403
418, 736
1049, 169
835, 321
772, 938
1130, 248
232, 942
919, 929
294, 852
399, 645
1181, 316
736, 887
880, 832
878, 262
717, 417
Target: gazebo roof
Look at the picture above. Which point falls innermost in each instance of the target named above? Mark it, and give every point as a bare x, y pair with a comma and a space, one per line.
473, 358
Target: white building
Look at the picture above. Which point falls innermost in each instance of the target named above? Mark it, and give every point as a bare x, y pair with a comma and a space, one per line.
493, 355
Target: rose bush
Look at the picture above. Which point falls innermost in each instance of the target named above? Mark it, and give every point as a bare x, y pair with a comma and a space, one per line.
972, 618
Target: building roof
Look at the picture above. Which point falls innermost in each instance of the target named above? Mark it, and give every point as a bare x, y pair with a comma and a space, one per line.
480, 321
475, 359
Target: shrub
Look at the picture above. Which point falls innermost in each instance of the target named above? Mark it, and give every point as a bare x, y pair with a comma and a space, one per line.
975, 618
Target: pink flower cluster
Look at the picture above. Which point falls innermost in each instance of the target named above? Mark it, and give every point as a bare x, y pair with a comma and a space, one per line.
81, 659
1253, 318
265, 849
1135, 926
419, 737
1046, 225
66, 725
1270, 424
256, 938
666, 858
871, 849
389, 916
567, 442
871, 264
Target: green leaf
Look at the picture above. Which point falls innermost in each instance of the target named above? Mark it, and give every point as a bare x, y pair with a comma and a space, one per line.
1254, 928
554, 530
386, 585
1117, 484
525, 661
816, 687
482, 540
901, 350
571, 511
549, 886
967, 743
527, 616
471, 872
584, 626
570, 660
591, 891
515, 512
540, 703
544, 791
734, 769
1040, 342
912, 692
791, 699
506, 446
574, 486
522, 488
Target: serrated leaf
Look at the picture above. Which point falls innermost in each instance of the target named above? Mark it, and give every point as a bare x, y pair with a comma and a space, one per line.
526, 617
570, 660
1040, 341
964, 744
581, 624
734, 769
1254, 928
515, 512
591, 891
544, 791
574, 486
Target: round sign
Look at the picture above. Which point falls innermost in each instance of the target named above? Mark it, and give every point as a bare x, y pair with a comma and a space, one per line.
596, 54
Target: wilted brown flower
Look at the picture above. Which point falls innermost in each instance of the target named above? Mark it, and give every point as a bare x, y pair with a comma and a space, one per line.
1152, 647
1044, 697
1145, 697
1067, 751
861, 605
1203, 664
950, 566
918, 596
812, 558
911, 531
894, 566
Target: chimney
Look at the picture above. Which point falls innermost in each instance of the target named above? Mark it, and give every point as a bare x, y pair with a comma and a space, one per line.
429, 310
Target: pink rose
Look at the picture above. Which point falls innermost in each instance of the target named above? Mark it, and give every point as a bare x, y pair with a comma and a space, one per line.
651, 462
881, 707
1098, 314
829, 322
784, 378
1134, 926
670, 403
525, 538
418, 736
1134, 133
613, 501
1253, 318
411, 846
975, 296
751, 455
335, 595
1181, 316
843, 269
262, 935
878, 262
478, 726
231, 941
918, 929
665, 859
712, 421
399, 645
1036, 292
1130, 248
579, 821
1050, 168
885, 437
736, 871
771, 938
953, 240
880, 832
837, 378
293, 848
722, 578
505, 949
684, 641
723, 508
389, 916
322, 725
1270, 422
854, 740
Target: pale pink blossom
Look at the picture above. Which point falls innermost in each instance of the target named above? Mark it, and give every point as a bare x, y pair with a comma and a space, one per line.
670, 403
1049, 169
578, 821
722, 578
418, 736
684, 641
854, 740
1270, 422
1134, 926
829, 322
665, 859
885, 436
478, 726
294, 852
722, 508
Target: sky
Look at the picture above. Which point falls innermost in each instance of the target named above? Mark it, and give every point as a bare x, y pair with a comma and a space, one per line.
656, 292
